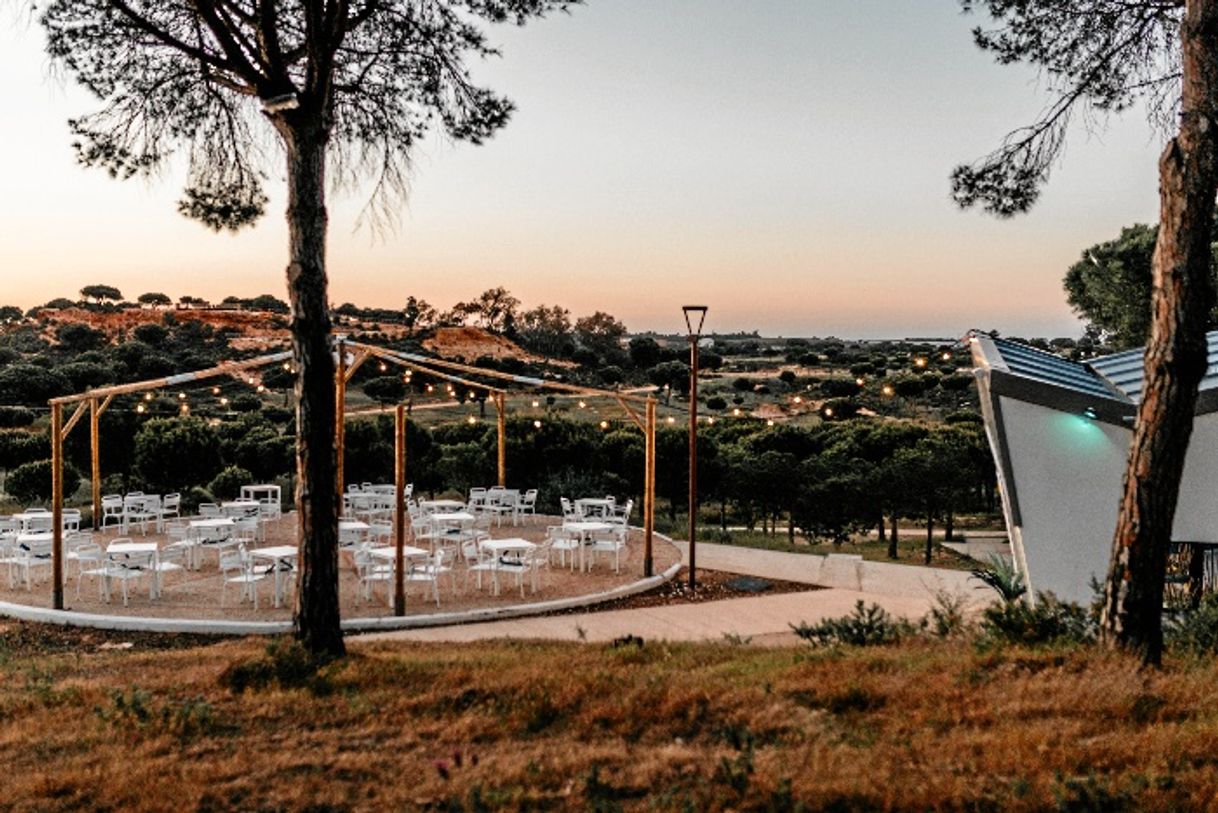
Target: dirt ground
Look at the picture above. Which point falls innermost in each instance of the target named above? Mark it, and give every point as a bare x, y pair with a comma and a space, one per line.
197, 594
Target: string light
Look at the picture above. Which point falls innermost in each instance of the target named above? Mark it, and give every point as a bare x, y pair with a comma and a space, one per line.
769, 422
604, 424
383, 366
736, 412
261, 388
797, 399
250, 380
583, 405
430, 388
888, 390
671, 419
828, 412
185, 408
147, 396
859, 381
223, 402
919, 362
472, 419
139, 408
215, 390
181, 396
710, 421
536, 404
536, 424
947, 356
287, 367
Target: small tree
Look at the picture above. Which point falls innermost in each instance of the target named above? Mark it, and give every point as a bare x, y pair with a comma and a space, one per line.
31, 482
154, 300
101, 293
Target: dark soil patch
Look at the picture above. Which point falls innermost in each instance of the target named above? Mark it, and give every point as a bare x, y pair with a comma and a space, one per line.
712, 585
24, 638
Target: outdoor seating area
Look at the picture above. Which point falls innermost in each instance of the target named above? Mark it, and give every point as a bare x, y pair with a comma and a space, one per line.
237, 559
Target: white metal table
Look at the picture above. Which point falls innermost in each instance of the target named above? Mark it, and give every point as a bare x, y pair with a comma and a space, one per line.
282, 558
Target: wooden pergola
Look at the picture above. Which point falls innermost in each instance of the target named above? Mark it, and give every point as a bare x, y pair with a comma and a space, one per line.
351, 355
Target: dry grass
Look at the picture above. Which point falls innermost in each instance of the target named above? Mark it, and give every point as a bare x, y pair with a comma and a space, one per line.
548, 726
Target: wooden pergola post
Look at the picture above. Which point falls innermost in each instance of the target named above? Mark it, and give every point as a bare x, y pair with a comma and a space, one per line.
340, 401
649, 487
57, 506
501, 423
95, 460
399, 508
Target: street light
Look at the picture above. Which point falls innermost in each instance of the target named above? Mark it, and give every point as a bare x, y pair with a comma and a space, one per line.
693, 313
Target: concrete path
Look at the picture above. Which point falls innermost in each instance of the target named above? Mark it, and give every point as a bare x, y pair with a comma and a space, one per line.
765, 617
902, 590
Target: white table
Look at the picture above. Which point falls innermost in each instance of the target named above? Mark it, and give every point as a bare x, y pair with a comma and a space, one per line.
261, 492
600, 506
432, 506
584, 528
352, 526
241, 508
24, 519
500, 547
125, 548
453, 517
279, 555
212, 524
389, 552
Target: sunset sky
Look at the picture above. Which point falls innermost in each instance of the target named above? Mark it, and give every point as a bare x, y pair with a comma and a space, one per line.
785, 162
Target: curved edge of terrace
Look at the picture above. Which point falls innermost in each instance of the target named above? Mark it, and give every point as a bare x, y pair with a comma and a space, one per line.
200, 626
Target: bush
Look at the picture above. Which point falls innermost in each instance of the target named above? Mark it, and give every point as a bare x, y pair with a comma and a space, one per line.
286, 665
1195, 631
839, 387
31, 482
227, 484
1048, 621
868, 625
716, 403
173, 454
14, 416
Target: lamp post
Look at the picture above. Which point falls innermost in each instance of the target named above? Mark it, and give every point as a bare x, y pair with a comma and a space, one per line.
692, 313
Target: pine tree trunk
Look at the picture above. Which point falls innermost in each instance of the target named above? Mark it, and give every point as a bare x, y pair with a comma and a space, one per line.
880, 527
1175, 356
316, 616
893, 539
930, 536
949, 526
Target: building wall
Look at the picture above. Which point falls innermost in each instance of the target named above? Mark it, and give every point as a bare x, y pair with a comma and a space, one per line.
1068, 470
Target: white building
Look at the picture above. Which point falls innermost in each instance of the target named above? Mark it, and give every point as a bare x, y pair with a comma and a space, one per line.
1060, 432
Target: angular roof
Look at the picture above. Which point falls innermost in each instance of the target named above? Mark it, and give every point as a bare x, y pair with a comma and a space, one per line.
1114, 378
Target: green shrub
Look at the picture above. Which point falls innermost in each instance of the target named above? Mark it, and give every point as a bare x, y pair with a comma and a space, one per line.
15, 416
286, 664
31, 482
1048, 621
227, 484
1002, 575
1195, 631
868, 625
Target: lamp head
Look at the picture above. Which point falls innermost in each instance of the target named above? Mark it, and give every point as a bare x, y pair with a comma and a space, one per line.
694, 313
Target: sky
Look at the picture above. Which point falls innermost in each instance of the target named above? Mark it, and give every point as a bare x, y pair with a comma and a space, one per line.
784, 162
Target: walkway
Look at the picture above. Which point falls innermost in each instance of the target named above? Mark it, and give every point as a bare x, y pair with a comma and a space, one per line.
902, 590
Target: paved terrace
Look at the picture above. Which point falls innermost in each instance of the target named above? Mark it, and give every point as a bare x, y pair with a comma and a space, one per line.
903, 590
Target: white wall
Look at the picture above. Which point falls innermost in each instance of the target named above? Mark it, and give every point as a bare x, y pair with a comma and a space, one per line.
1068, 470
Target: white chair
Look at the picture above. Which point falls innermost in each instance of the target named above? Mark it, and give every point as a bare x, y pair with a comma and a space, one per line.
370, 571
112, 511
621, 513
126, 568
209, 510
429, 572
27, 557
171, 506
528, 503
135, 512
569, 512
530, 562
381, 531
237, 567
71, 520
562, 542
91, 561
610, 542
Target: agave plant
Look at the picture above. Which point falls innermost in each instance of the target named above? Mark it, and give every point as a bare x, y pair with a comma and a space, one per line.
1002, 575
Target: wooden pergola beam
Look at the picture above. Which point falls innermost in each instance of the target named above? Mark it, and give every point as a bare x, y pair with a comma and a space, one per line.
227, 368
76, 416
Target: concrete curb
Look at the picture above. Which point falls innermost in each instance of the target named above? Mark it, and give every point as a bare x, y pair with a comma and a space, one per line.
198, 626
